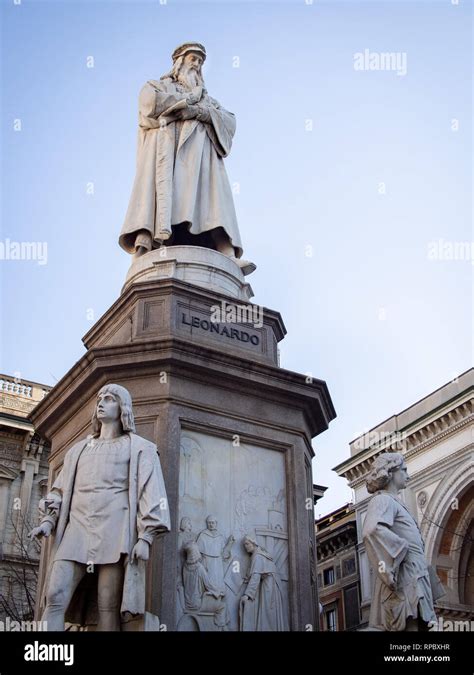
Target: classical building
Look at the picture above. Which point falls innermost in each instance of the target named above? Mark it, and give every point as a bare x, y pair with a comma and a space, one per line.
436, 436
23, 481
337, 570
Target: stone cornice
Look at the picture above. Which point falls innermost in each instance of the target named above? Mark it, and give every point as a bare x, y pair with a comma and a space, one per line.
15, 437
356, 468
182, 356
168, 286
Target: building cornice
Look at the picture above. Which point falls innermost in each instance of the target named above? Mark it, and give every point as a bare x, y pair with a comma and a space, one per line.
415, 442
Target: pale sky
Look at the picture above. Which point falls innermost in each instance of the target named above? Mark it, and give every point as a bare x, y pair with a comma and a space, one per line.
354, 185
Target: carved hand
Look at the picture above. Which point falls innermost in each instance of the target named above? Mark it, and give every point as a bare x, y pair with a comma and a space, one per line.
203, 115
141, 551
43, 530
195, 95
392, 582
189, 113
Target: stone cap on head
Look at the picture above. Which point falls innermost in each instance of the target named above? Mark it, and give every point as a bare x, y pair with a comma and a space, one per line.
189, 47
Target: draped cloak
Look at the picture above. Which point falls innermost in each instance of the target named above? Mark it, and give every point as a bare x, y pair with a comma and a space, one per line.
180, 174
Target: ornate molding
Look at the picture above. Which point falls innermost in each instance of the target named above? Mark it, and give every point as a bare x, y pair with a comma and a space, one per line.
417, 441
10, 402
7, 472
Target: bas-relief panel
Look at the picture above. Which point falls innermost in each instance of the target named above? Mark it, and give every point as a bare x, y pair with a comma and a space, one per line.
233, 537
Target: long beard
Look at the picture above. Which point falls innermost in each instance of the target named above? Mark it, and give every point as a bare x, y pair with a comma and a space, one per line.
190, 78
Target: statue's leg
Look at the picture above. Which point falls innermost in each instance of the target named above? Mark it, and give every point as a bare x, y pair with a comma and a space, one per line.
110, 586
65, 576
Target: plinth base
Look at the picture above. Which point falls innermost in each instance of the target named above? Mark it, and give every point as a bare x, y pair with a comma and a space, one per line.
196, 265
234, 434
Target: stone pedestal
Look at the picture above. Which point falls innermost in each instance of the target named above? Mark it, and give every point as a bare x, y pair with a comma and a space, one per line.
194, 264
233, 429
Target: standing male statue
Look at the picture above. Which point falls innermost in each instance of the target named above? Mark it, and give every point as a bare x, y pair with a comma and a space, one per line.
181, 193
215, 551
403, 595
106, 506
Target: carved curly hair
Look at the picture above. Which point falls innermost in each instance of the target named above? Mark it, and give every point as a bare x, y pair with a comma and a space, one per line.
382, 468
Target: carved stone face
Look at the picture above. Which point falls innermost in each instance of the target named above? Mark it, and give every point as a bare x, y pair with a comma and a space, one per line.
249, 546
108, 407
400, 477
193, 60
186, 525
189, 74
211, 524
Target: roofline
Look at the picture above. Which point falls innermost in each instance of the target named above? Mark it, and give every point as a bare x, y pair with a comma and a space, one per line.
24, 380
446, 384
331, 513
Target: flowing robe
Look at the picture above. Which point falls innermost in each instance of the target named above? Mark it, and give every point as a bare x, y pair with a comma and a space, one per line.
264, 611
180, 174
201, 595
395, 548
212, 548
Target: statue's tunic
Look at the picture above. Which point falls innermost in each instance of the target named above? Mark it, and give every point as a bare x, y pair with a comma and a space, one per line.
180, 174
211, 545
395, 547
98, 530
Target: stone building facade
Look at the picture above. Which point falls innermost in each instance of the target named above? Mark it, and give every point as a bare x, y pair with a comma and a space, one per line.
338, 570
436, 436
23, 482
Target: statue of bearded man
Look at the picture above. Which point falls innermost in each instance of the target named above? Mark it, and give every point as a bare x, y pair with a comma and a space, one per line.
181, 193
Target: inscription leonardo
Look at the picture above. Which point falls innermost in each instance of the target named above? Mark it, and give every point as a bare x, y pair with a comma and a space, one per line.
211, 327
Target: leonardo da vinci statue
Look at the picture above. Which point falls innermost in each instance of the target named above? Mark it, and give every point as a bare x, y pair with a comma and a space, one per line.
181, 193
